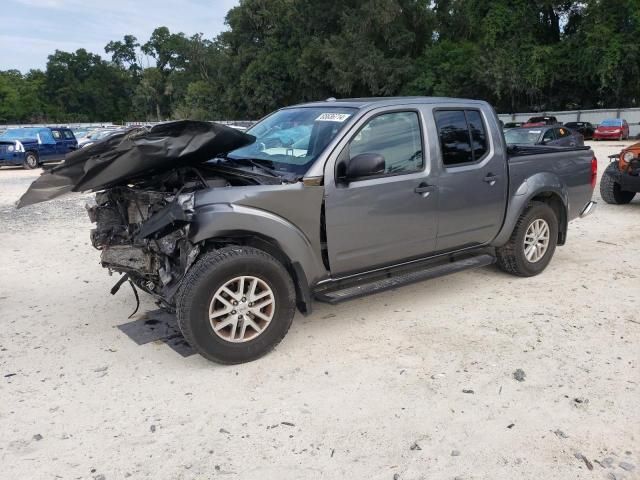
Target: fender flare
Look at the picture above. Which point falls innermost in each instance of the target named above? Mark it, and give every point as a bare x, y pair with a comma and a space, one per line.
229, 221
544, 186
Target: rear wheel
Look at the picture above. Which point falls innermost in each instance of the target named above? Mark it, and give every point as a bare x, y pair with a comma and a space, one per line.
30, 161
610, 190
235, 304
532, 243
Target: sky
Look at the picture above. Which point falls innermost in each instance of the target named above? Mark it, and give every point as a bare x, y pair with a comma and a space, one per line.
33, 29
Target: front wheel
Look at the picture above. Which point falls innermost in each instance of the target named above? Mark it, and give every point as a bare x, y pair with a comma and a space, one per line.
235, 304
532, 243
30, 161
610, 190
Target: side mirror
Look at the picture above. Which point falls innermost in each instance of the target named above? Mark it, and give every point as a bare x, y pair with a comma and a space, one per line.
365, 165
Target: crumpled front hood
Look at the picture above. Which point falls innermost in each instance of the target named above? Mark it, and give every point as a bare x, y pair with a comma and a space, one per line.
125, 156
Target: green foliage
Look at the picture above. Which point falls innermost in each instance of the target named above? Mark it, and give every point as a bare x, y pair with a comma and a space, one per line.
521, 55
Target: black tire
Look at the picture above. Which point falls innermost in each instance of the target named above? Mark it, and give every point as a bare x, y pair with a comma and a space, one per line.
610, 190
30, 161
206, 276
511, 256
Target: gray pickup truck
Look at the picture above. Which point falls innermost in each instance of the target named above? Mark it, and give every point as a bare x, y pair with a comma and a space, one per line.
329, 201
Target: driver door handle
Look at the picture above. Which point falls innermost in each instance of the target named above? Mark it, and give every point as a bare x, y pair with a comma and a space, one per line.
491, 179
424, 189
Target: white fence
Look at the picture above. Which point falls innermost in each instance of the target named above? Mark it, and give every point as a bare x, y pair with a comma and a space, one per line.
631, 115
235, 123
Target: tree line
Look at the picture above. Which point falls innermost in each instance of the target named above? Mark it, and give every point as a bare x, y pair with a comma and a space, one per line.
520, 55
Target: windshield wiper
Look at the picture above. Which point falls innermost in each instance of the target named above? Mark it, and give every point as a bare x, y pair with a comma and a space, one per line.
256, 163
270, 171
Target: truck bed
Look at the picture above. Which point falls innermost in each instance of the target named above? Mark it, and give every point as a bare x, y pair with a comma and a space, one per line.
566, 169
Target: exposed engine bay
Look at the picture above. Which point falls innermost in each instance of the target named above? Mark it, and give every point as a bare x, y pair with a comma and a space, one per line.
142, 229
146, 179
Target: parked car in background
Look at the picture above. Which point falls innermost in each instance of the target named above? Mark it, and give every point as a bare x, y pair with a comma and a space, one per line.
510, 125
554, 136
81, 132
612, 129
33, 146
94, 136
541, 121
621, 179
585, 129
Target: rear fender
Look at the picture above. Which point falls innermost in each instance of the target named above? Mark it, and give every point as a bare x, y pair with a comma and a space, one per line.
545, 187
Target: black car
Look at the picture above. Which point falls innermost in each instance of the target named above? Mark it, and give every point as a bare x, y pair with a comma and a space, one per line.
585, 129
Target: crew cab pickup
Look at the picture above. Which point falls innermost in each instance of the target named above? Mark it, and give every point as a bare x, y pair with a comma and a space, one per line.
328, 201
33, 146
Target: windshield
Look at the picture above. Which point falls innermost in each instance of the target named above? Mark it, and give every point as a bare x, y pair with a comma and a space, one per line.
19, 133
611, 123
291, 139
522, 136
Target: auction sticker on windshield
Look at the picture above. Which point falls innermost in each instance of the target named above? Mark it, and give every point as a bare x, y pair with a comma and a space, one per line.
333, 117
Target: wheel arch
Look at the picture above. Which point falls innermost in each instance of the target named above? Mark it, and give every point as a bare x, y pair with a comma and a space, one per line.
553, 194
270, 246
221, 225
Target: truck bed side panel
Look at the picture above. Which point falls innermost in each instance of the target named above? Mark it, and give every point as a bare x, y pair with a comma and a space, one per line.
564, 172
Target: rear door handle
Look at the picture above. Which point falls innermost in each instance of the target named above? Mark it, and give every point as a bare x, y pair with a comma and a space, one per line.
491, 179
424, 189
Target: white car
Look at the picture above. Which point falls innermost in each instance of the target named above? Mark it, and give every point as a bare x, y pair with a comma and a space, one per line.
95, 136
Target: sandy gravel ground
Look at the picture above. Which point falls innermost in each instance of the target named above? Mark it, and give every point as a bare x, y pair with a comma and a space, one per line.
374, 388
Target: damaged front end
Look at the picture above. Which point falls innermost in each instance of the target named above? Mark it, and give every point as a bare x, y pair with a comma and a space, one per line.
144, 234
146, 181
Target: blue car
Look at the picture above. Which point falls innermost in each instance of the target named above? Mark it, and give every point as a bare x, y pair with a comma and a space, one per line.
33, 146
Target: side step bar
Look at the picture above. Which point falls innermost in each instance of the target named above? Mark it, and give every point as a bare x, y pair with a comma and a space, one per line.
394, 280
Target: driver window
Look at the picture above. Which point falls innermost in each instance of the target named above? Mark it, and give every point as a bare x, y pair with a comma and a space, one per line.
396, 136
548, 135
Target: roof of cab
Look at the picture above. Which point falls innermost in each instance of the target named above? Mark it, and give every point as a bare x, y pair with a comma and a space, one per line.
384, 101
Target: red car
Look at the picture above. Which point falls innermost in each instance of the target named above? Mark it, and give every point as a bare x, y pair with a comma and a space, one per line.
540, 121
612, 129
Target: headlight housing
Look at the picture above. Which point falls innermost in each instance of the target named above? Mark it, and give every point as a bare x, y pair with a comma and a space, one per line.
10, 148
628, 156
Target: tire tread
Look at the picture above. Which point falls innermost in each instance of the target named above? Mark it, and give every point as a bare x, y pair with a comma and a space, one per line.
608, 191
507, 255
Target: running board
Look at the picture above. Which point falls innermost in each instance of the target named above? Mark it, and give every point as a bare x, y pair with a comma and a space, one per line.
394, 280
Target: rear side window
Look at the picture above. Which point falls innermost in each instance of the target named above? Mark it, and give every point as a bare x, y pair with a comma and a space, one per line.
45, 137
68, 134
463, 136
478, 134
563, 132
